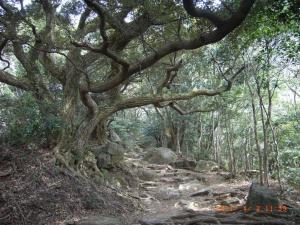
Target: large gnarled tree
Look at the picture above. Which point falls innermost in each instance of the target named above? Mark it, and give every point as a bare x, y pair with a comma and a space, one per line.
122, 39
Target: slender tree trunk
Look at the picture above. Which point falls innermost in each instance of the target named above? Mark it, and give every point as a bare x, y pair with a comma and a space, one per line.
266, 145
265, 125
233, 153
220, 161
213, 137
164, 134
177, 140
246, 160
199, 142
230, 154
276, 157
256, 136
250, 150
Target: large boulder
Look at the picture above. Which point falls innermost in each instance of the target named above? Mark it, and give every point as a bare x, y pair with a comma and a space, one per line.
109, 155
204, 165
146, 175
147, 141
160, 155
184, 164
261, 197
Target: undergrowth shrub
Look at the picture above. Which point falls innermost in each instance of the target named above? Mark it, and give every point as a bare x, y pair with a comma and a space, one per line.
26, 122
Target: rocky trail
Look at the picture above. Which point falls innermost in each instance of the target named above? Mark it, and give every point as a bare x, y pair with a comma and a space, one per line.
179, 196
164, 188
183, 196
34, 191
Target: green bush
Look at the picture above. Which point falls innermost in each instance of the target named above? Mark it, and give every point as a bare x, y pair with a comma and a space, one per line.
290, 161
26, 123
293, 177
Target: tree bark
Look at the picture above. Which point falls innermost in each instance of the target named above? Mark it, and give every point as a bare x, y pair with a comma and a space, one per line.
256, 136
231, 164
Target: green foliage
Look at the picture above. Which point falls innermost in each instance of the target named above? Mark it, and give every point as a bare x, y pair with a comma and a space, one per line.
152, 129
290, 158
26, 123
293, 176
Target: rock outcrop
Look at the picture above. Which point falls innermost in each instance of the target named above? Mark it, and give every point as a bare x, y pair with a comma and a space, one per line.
184, 164
160, 155
146, 175
109, 155
204, 165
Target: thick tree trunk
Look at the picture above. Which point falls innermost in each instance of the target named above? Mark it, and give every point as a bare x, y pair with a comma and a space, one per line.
71, 97
102, 132
71, 150
71, 147
164, 131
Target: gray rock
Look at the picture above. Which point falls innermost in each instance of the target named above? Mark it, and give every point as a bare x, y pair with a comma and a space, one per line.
184, 164
187, 205
204, 165
146, 175
215, 169
230, 201
193, 185
160, 155
109, 155
261, 196
96, 220
202, 192
168, 194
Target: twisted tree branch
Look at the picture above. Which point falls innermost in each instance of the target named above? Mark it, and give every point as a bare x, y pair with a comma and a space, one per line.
192, 10
9, 79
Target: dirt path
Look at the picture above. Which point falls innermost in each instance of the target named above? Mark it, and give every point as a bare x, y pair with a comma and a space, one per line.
35, 191
179, 196
171, 189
